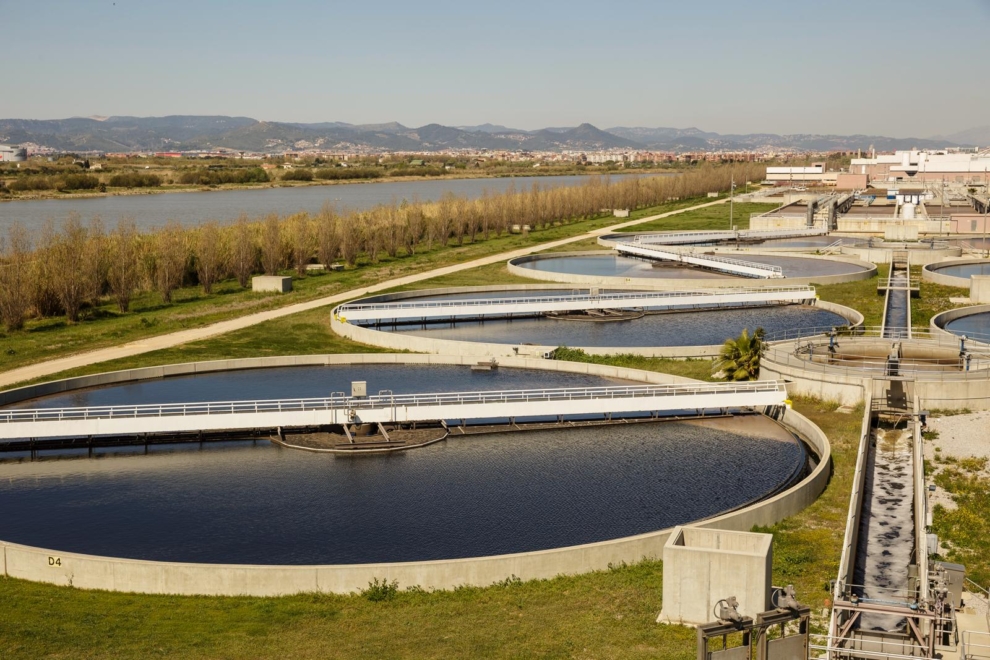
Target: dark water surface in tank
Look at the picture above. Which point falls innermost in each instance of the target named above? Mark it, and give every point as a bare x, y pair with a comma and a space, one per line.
467, 496
976, 326
310, 382
962, 270
686, 328
608, 265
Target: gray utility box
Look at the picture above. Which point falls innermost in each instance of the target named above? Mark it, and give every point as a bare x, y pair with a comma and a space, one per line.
955, 578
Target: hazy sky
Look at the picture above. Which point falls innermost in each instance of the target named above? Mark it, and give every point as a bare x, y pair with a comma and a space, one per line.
904, 68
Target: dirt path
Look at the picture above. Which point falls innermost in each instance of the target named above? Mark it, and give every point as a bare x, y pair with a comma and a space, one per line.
149, 344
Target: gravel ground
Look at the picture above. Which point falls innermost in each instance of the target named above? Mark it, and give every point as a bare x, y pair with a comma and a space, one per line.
960, 436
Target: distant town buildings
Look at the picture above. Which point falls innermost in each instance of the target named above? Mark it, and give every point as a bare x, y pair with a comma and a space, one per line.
957, 167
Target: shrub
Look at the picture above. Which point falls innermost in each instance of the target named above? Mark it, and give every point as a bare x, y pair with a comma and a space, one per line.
135, 180
342, 173
31, 182
378, 592
76, 182
204, 177
299, 174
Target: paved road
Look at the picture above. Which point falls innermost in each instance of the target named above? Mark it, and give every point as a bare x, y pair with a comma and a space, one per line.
149, 344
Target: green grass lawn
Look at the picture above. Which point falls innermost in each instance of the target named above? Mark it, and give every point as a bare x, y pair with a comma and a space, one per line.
713, 217
933, 299
861, 296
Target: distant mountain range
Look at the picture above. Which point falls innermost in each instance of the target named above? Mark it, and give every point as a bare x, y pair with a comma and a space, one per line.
190, 132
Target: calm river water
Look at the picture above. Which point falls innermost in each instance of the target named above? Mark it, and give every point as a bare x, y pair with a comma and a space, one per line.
192, 208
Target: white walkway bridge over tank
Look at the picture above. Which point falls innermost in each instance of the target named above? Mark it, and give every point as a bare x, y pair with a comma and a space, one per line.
695, 258
695, 237
383, 408
416, 309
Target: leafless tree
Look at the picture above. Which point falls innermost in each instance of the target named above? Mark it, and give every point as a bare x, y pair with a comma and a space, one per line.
212, 255
413, 227
272, 245
167, 260
244, 252
123, 269
301, 234
15, 277
351, 238
327, 236
97, 263
65, 261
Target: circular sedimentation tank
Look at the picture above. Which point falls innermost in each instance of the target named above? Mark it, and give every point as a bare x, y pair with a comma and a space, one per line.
610, 268
975, 325
254, 503
648, 329
956, 272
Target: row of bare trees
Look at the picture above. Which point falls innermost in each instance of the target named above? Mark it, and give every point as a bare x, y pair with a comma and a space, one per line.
80, 264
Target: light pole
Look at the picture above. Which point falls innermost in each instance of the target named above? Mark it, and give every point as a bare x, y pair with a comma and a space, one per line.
732, 186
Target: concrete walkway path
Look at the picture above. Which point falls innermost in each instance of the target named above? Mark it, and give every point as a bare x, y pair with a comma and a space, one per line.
149, 344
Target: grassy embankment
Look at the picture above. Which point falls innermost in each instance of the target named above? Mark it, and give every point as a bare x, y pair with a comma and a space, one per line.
103, 325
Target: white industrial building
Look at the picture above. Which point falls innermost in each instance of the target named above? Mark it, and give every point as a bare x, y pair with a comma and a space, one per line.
924, 166
10, 154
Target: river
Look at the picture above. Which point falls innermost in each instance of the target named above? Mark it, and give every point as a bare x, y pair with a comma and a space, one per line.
193, 208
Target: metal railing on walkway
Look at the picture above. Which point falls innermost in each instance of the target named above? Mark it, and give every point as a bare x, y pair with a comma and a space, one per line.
710, 261
816, 349
385, 401
610, 299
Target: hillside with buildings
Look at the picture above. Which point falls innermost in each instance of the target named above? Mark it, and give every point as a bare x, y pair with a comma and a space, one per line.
206, 133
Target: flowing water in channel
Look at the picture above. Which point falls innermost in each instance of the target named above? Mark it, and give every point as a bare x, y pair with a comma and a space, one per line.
886, 533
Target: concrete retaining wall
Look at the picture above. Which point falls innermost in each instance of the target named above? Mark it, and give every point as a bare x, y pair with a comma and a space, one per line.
919, 257
92, 572
661, 284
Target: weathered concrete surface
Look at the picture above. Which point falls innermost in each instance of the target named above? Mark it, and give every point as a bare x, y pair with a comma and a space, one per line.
149, 344
275, 283
703, 566
979, 289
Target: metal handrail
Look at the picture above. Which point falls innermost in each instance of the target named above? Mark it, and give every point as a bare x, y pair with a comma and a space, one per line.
776, 270
921, 333
383, 401
970, 650
662, 237
650, 295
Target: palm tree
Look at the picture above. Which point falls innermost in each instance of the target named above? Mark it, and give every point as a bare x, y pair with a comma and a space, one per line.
740, 357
